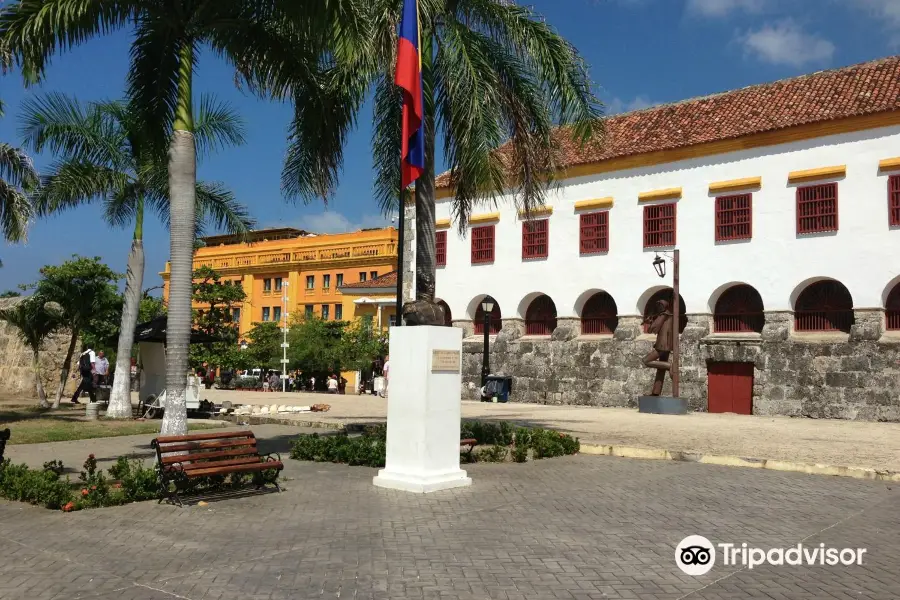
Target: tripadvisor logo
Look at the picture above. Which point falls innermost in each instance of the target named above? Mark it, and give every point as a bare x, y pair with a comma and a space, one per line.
695, 555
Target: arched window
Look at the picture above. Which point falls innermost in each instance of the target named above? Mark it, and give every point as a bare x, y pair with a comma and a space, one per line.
448, 317
540, 318
739, 310
650, 308
599, 315
824, 306
495, 319
892, 309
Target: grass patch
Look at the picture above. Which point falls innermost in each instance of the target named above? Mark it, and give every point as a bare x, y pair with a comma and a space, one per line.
31, 425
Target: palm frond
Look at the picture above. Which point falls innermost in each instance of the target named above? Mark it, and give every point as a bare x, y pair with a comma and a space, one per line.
217, 205
59, 123
32, 31
386, 143
15, 212
216, 126
71, 183
16, 168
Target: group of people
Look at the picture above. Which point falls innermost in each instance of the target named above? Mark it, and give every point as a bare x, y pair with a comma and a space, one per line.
93, 367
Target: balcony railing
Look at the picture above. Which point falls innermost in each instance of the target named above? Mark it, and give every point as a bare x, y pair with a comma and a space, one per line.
285, 257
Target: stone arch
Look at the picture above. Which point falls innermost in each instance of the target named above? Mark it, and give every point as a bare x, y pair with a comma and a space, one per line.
599, 315
525, 302
474, 304
663, 293
717, 293
888, 289
824, 305
739, 309
540, 316
892, 308
798, 289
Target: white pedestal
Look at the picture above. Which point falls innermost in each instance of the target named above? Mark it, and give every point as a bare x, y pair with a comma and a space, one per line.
423, 412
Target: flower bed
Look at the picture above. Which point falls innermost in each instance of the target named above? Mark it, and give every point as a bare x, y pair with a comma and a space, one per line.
497, 442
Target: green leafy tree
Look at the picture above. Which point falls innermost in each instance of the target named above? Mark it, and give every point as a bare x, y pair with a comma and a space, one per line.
218, 300
10, 294
264, 348
34, 320
150, 308
362, 346
18, 178
316, 345
84, 288
283, 49
495, 75
105, 154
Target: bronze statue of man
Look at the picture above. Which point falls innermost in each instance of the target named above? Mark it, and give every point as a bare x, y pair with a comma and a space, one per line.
658, 358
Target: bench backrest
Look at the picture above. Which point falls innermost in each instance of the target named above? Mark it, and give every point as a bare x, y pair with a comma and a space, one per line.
233, 447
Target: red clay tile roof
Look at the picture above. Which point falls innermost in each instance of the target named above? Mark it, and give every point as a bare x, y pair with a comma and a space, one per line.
862, 89
388, 280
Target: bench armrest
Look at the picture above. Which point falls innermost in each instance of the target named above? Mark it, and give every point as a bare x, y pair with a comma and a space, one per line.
268, 457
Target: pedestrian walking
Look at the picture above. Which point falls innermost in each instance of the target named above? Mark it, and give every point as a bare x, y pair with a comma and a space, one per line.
101, 368
86, 361
386, 372
332, 384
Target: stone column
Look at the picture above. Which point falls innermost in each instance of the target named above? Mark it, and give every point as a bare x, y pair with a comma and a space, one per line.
512, 329
868, 324
567, 328
466, 325
629, 328
779, 324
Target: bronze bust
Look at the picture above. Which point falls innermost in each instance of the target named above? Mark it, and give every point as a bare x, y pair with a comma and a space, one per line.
658, 358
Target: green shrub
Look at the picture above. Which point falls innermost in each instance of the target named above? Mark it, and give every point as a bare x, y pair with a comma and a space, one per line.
95, 488
137, 482
368, 449
494, 454
520, 453
487, 433
548, 444
54, 466
42, 488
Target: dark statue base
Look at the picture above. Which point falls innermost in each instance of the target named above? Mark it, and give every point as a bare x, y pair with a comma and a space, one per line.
423, 312
662, 405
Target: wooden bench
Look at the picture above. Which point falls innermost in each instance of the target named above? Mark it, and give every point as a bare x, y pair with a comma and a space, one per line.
470, 443
182, 458
4, 437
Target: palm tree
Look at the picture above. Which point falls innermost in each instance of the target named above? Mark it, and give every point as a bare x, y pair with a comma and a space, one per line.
17, 178
499, 82
263, 38
105, 155
34, 320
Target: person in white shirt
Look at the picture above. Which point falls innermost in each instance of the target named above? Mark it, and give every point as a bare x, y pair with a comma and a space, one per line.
101, 367
86, 365
332, 385
386, 371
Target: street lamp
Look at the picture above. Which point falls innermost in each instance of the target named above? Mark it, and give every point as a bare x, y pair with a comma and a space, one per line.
659, 264
284, 331
487, 307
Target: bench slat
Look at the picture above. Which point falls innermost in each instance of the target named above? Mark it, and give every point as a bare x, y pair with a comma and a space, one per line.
193, 437
263, 466
249, 460
206, 445
223, 454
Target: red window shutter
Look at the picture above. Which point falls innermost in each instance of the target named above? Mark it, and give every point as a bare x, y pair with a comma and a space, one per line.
739, 310
599, 315
817, 208
540, 318
440, 248
894, 199
535, 239
734, 217
482, 244
659, 225
495, 320
594, 232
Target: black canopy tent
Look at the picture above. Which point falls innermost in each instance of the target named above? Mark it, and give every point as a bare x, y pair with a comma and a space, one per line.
154, 332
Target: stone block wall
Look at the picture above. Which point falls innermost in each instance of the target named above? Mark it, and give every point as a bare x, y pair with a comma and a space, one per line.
842, 376
16, 374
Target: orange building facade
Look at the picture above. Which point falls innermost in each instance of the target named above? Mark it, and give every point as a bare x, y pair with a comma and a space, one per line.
306, 267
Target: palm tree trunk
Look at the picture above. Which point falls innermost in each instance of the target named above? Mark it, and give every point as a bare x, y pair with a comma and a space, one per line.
36, 366
120, 398
64, 370
182, 191
426, 253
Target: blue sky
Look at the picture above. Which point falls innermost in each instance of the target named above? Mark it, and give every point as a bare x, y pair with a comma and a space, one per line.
641, 52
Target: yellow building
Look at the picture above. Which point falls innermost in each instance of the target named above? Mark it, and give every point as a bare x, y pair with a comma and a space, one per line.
374, 300
311, 268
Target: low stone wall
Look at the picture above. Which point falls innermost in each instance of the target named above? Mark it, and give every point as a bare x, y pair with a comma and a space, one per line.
840, 376
16, 374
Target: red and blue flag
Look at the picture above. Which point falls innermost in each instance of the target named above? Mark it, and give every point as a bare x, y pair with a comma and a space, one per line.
409, 78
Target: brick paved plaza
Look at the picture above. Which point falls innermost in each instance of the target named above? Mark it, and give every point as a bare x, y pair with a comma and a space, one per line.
579, 527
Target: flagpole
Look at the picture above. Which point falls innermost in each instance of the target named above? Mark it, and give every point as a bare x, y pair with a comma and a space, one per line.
401, 223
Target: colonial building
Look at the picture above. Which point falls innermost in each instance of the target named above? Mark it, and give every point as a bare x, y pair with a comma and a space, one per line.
311, 268
784, 201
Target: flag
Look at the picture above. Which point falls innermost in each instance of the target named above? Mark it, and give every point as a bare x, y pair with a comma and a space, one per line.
409, 78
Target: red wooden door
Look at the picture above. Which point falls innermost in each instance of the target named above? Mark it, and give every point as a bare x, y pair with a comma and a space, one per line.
730, 388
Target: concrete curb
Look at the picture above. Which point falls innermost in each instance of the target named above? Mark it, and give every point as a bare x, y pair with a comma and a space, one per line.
737, 461
627, 452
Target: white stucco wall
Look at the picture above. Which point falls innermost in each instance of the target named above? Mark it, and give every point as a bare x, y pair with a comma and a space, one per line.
864, 254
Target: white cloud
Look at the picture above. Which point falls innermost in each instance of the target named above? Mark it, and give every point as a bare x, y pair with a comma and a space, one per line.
785, 43
616, 105
335, 222
723, 8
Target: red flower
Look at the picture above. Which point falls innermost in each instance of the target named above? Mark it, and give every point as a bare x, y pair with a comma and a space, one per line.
68, 507
91, 456
117, 485
84, 492
93, 487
